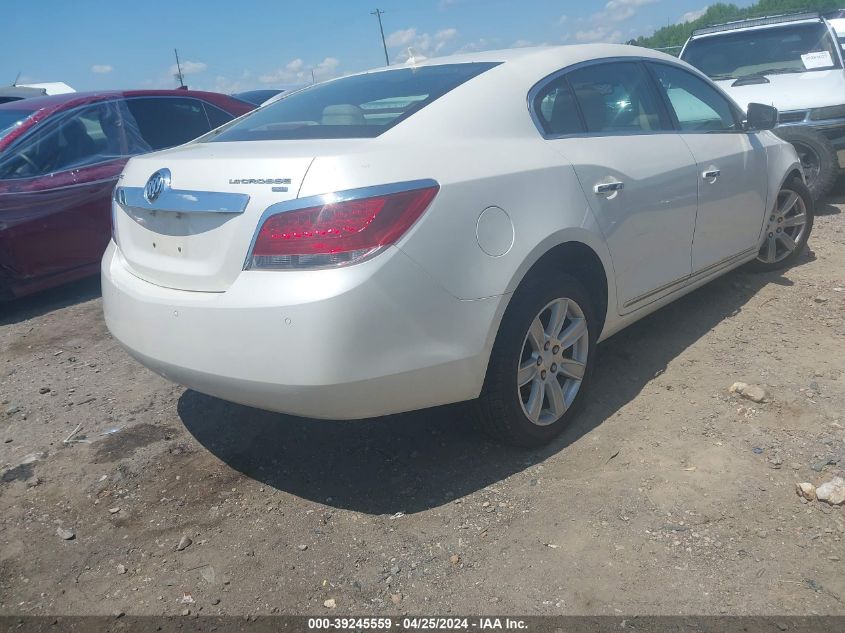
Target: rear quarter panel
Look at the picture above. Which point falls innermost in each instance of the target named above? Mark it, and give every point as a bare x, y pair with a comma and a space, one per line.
528, 180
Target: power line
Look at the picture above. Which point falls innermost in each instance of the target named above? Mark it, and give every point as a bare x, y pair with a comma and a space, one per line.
378, 13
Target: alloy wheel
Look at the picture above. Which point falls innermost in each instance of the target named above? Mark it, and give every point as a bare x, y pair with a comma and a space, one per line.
785, 228
553, 361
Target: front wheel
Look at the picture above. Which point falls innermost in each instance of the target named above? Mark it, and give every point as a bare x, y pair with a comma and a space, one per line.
541, 362
787, 229
817, 155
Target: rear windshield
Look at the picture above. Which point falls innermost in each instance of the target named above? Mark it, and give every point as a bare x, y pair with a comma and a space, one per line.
793, 48
361, 106
10, 119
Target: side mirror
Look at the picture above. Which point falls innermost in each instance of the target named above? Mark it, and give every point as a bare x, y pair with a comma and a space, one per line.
761, 117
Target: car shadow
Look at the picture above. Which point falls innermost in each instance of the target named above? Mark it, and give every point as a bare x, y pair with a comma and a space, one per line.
35, 305
828, 206
420, 460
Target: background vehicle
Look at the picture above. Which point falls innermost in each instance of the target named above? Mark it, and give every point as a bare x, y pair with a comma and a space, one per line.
793, 62
257, 97
16, 92
60, 157
393, 243
837, 20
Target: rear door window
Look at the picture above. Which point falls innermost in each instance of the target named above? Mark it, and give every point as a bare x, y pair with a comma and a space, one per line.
556, 109
168, 121
216, 116
618, 98
360, 106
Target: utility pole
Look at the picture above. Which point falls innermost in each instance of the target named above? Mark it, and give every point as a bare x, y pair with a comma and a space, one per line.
378, 13
179, 74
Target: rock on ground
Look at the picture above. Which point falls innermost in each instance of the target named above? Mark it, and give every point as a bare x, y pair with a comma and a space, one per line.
806, 490
832, 492
755, 393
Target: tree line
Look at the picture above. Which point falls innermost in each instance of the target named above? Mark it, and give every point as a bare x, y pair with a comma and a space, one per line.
676, 34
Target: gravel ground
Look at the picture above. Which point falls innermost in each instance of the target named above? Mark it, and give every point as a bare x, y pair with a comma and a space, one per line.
670, 495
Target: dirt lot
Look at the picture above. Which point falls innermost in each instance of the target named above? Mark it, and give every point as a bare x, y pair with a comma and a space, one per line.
670, 496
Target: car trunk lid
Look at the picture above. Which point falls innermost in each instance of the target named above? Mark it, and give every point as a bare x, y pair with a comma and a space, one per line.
195, 231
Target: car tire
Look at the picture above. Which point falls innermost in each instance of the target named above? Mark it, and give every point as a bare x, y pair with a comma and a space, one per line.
818, 157
502, 408
785, 233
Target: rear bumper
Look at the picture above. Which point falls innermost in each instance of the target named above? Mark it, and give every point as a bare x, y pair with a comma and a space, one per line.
373, 339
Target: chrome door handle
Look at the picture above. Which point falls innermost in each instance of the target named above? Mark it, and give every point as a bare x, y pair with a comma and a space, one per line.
711, 174
608, 187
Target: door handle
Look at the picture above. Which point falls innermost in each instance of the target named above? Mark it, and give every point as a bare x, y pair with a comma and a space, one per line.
608, 187
711, 174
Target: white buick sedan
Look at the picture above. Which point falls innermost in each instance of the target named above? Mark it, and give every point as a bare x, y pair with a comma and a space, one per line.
466, 228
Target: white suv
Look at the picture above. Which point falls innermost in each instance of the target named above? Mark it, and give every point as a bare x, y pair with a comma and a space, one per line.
837, 20
793, 62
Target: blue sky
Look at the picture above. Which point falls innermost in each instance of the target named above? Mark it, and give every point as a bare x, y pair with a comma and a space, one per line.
229, 46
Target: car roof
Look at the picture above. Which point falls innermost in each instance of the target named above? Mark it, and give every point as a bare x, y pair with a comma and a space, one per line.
758, 23
540, 59
21, 92
71, 99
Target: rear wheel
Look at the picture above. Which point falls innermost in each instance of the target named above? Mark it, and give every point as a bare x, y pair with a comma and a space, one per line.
788, 227
541, 363
818, 158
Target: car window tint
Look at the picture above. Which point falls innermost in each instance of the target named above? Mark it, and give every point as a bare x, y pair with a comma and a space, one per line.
556, 109
169, 121
617, 97
216, 116
359, 106
81, 137
12, 119
697, 105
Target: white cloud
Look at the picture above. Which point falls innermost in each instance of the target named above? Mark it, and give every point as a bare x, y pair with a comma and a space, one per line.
326, 67
599, 34
101, 69
522, 44
402, 37
297, 71
691, 16
563, 19
189, 68
481, 44
228, 85
620, 10
422, 44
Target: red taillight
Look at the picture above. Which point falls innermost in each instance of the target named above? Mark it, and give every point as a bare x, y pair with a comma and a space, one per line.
337, 233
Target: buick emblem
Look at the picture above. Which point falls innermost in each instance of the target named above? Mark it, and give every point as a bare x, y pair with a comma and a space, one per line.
157, 183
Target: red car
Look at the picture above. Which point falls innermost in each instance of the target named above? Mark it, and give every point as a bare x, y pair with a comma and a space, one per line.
60, 157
